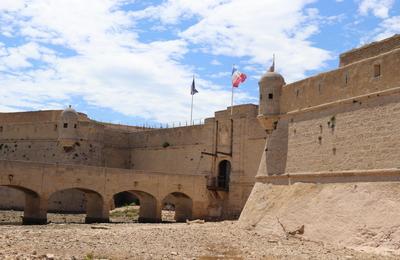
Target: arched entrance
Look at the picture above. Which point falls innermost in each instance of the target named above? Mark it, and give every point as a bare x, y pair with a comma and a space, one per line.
34, 207
136, 206
179, 204
74, 204
224, 172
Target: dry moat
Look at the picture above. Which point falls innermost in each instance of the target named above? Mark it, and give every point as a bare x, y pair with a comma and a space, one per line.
66, 237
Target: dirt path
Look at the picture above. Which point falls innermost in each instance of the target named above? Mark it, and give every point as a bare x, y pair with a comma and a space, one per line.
222, 240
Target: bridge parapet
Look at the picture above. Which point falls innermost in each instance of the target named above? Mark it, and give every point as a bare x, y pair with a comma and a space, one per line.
100, 184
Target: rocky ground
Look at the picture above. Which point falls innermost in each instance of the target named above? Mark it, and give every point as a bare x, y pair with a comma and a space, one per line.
218, 240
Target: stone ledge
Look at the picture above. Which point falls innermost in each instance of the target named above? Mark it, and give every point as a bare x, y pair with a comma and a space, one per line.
375, 175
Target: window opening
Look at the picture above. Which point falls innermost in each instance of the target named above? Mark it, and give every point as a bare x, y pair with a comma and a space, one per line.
224, 171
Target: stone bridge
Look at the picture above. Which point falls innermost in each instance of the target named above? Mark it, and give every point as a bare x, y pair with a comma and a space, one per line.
40, 180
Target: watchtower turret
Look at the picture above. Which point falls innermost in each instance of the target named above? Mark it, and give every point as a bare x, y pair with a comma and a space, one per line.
68, 127
270, 84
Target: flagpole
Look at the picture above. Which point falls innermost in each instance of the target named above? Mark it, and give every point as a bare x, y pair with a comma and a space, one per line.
232, 102
191, 112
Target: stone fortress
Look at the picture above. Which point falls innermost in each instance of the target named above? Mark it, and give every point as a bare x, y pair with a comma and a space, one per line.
322, 152
331, 162
64, 160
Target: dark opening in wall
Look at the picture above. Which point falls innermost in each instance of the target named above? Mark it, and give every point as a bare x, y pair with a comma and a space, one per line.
270, 96
297, 92
224, 172
75, 125
65, 125
55, 127
1, 129
377, 70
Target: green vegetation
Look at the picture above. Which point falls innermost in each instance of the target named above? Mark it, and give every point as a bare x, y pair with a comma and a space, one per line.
126, 212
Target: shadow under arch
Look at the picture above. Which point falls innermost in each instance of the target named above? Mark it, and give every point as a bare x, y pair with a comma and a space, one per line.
148, 211
94, 206
182, 203
34, 209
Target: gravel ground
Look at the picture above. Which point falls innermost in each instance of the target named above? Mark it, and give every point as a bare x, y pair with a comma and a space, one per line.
212, 240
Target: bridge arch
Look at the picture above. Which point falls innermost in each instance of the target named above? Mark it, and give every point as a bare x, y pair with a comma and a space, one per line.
97, 211
149, 211
182, 203
35, 206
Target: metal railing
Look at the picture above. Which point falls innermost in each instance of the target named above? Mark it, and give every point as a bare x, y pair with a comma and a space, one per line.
174, 124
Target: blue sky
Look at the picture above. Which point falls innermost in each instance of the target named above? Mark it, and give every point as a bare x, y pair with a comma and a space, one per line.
132, 61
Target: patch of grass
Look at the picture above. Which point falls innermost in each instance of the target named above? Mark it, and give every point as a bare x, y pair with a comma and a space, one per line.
128, 212
89, 256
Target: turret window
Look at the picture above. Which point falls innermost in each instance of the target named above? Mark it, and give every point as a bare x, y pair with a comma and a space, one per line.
270, 96
75, 126
65, 125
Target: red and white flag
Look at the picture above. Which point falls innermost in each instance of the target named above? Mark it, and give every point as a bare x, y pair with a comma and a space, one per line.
237, 77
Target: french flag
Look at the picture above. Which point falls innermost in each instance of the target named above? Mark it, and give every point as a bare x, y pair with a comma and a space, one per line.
237, 77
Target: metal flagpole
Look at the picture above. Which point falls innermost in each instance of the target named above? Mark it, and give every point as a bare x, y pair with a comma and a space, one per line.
233, 67
232, 102
191, 112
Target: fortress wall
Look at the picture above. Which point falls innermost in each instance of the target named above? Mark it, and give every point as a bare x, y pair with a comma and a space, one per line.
370, 50
34, 116
29, 117
347, 210
39, 142
174, 150
179, 135
11, 199
29, 131
116, 151
346, 82
186, 144
122, 128
359, 135
249, 140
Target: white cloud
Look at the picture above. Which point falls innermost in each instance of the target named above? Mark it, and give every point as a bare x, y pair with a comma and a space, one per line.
379, 8
216, 62
110, 67
11, 5
389, 27
220, 74
253, 30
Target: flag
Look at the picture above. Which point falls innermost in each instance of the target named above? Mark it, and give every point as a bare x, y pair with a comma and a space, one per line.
193, 89
237, 77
